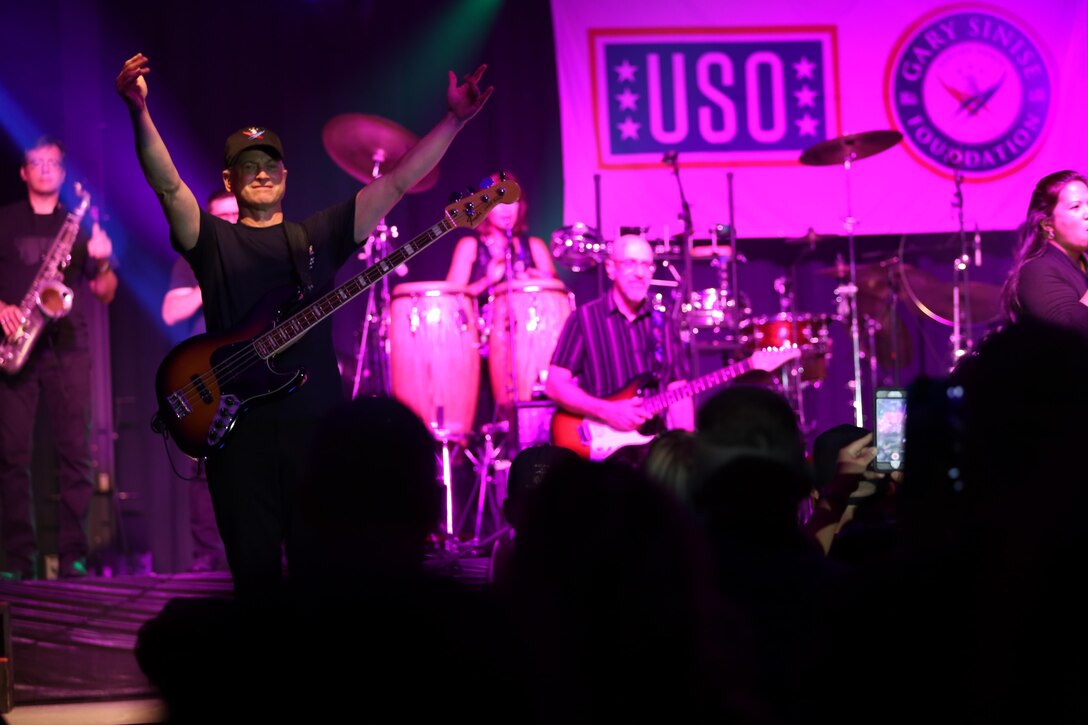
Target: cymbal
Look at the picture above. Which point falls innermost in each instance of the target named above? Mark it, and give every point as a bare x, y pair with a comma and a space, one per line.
358, 141
937, 302
850, 147
874, 277
929, 296
811, 237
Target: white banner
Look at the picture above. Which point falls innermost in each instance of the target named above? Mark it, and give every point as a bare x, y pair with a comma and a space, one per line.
993, 93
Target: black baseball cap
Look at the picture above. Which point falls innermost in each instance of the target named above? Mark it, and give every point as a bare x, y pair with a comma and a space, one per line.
251, 137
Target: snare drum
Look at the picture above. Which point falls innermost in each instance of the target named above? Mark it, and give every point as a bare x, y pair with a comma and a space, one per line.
434, 353
808, 332
540, 308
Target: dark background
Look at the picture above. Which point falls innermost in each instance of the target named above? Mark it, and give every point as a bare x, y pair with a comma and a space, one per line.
292, 65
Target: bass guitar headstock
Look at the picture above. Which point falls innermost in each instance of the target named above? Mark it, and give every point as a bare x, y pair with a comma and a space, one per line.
469, 210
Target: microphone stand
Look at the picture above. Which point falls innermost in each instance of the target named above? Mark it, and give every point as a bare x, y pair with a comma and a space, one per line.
512, 330
671, 158
600, 231
735, 291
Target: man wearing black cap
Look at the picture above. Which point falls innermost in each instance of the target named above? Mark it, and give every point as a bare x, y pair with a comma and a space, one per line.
254, 479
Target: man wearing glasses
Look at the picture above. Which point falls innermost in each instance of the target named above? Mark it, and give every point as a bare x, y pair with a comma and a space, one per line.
57, 370
610, 341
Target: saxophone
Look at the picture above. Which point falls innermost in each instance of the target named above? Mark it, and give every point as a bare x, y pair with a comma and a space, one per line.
48, 298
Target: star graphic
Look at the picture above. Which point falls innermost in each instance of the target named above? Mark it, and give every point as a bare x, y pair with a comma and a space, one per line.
806, 97
628, 100
806, 125
626, 71
804, 68
629, 129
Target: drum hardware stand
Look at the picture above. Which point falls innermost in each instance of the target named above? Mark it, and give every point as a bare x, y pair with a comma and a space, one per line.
377, 246
893, 308
793, 383
443, 436
487, 465
845, 150
961, 300
871, 328
851, 292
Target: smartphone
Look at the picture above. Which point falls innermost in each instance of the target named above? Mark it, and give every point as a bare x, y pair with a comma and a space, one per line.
891, 428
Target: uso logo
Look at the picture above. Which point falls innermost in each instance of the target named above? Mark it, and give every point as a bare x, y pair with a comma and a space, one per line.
970, 89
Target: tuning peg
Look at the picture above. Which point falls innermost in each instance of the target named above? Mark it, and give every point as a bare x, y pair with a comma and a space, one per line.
455, 196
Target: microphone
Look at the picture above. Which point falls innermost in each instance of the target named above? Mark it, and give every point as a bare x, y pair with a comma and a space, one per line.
670, 157
978, 247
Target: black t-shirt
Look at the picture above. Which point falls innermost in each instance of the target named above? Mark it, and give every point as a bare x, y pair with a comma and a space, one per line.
239, 266
25, 238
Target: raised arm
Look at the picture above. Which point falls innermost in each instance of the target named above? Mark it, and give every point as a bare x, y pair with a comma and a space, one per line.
376, 199
178, 203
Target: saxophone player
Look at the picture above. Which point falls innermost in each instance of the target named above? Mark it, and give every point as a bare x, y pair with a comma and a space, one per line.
56, 373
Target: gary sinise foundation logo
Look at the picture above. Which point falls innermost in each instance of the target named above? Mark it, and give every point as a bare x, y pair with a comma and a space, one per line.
970, 89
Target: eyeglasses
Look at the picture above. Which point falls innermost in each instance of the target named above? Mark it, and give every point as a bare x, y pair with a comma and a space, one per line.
273, 167
630, 265
45, 163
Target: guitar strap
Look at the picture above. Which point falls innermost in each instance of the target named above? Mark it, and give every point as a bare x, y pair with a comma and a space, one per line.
657, 320
302, 255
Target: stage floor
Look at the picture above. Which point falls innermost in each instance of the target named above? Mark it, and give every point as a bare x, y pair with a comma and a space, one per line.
72, 640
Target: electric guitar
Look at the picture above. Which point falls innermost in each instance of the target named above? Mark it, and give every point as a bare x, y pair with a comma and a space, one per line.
205, 384
597, 441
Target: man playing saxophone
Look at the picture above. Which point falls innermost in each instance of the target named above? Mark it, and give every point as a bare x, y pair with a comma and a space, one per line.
57, 371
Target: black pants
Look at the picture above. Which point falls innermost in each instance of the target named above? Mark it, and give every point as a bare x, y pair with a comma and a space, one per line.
255, 483
62, 381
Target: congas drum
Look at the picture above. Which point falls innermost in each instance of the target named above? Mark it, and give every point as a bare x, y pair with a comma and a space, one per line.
540, 307
434, 353
808, 332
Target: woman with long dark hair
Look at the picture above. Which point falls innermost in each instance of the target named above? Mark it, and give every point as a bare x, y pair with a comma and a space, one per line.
479, 260
1049, 277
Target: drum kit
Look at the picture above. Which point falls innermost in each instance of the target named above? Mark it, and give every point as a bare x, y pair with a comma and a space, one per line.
867, 296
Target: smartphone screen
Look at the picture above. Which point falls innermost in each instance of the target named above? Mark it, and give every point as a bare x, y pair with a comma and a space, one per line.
891, 426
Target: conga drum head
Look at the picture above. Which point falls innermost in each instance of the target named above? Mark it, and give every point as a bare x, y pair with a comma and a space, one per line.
434, 353
539, 308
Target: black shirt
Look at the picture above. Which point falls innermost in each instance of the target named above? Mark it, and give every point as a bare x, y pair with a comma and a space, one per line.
605, 351
1050, 289
25, 238
239, 266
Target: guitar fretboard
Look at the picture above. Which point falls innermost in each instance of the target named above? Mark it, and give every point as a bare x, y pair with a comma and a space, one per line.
286, 333
657, 403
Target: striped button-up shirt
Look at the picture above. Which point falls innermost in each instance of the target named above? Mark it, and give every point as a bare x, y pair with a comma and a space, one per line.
605, 351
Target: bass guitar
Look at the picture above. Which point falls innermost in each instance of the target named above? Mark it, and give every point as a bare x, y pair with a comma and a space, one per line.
205, 384
596, 441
